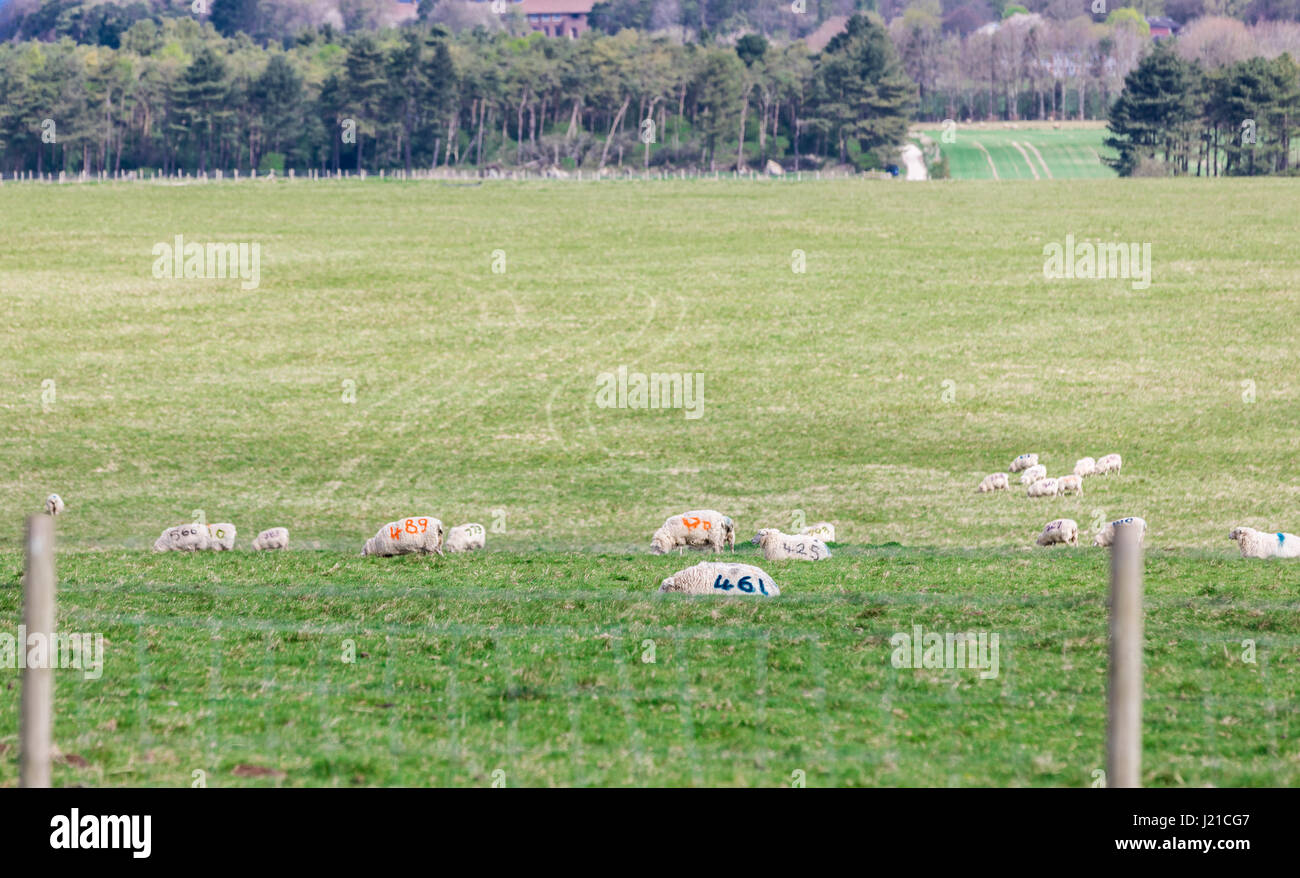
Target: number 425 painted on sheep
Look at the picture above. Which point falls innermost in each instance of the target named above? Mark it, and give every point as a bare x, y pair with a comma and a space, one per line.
745, 584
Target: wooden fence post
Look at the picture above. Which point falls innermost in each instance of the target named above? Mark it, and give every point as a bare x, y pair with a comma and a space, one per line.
1124, 722
36, 724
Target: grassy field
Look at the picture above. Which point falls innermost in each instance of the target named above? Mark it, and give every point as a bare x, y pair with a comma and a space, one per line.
382, 368
1026, 151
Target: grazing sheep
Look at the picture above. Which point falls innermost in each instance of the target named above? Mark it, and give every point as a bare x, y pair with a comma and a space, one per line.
1108, 464
466, 538
419, 534
275, 538
184, 538
1044, 488
1071, 484
823, 529
717, 578
777, 546
995, 482
53, 504
1262, 544
698, 529
1063, 530
1033, 474
223, 536
1106, 535
1085, 466
1024, 461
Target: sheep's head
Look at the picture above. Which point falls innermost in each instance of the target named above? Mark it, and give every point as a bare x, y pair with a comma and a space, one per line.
758, 537
1100, 538
54, 504
661, 543
667, 584
729, 531
1238, 533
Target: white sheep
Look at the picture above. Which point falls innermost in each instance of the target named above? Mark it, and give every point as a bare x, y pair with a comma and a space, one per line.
823, 529
1108, 464
995, 482
1262, 544
1062, 530
184, 538
1071, 484
419, 534
466, 538
718, 578
1044, 488
272, 539
698, 529
1033, 474
53, 504
777, 546
1024, 461
1085, 466
223, 536
1106, 536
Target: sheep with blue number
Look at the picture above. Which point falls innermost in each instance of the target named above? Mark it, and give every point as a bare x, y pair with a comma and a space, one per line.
1265, 544
718, 578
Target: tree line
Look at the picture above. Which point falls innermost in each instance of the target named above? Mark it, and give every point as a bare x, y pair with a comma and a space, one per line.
180, 96
1176, 118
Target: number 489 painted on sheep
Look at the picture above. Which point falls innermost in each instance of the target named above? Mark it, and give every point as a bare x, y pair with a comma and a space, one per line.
745, 585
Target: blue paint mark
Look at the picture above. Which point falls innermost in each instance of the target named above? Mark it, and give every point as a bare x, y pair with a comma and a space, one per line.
1281, 538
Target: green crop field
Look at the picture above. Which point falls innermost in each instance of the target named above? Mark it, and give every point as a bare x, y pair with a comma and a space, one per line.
869, 350
1025, 151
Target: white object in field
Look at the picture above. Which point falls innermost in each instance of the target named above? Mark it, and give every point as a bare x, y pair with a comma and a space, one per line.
272, 539
697, 529
1062, 530
417, 535
1024, 461
994, 482
1106, 535
191, 537
466, 538
53, 504
719, 578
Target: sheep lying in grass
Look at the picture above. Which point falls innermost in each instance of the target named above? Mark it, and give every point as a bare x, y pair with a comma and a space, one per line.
1085, 466
272, 539
1035, 473
1024, 461
1106, 536
420, 534
1071, 484
466, 538
995, 482
777, 546
1263, 544
53, 504
698, 529
1108, 464
223, 536
1044, 488
717, 578
1063, 530
184, 538
823, 529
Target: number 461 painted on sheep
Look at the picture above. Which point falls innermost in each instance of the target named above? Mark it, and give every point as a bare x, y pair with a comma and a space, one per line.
745, 585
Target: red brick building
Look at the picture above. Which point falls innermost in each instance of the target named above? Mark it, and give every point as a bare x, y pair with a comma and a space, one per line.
557, 18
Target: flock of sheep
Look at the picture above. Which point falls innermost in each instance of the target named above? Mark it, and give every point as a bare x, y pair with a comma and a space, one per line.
708, 529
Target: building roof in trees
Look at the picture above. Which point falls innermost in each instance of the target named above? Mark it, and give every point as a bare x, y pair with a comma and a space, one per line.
554, 7
827, 31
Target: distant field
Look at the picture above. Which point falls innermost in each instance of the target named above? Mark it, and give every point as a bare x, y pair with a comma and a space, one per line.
1027, 152
383, 368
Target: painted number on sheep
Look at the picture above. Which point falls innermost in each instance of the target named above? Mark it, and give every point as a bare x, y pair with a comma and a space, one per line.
807, 550
746, 584
411, 526
693, 523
